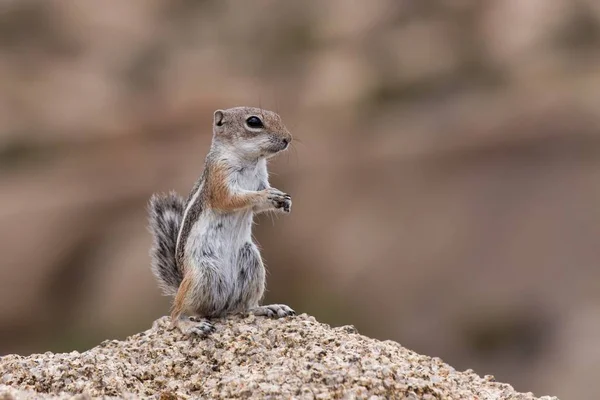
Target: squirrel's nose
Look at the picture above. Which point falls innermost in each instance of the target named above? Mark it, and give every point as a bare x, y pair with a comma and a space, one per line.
286, 141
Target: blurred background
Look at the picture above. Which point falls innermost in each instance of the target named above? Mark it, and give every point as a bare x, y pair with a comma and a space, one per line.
446, 181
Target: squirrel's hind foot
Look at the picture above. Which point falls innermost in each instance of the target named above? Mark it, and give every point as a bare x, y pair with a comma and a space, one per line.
195, 326
273, 311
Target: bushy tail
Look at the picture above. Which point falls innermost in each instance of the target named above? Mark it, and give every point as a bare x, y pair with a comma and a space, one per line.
166, 214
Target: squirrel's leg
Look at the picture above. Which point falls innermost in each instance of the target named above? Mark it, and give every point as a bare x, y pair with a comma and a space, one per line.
252, 284
276, 200
264, 200
188, 325
251, 258
224, 197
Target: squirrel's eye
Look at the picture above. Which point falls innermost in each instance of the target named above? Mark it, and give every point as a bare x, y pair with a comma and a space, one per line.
254, 122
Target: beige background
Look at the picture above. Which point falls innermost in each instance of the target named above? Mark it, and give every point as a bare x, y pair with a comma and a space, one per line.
446, 180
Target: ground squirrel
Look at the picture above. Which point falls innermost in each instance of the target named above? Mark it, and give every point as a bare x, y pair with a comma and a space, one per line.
203, 252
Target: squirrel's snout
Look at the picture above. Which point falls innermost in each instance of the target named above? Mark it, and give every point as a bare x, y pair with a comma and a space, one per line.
279, 142
287, 139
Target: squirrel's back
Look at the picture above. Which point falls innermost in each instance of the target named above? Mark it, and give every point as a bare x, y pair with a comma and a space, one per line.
165, 218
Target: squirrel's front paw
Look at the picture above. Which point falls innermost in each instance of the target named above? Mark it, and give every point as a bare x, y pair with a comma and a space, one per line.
279, 200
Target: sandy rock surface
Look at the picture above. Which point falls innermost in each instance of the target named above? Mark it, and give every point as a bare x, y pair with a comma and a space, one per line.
248, 357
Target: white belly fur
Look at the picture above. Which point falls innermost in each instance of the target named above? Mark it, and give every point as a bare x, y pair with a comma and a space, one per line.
212, 253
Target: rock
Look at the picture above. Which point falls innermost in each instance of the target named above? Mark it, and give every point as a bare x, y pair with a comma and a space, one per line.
247, 357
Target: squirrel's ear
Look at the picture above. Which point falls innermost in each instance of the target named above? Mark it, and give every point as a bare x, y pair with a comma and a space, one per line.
219, 117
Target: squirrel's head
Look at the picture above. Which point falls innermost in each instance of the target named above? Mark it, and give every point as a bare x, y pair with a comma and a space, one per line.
252, 132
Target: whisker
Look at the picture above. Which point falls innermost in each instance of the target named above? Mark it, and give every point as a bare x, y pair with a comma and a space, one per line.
296, 154
272, 219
